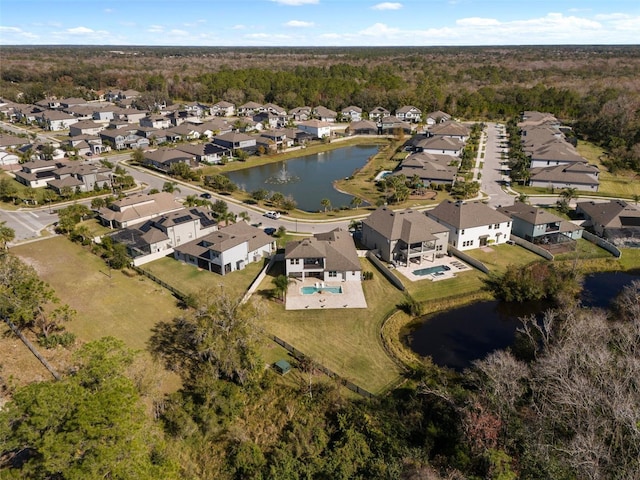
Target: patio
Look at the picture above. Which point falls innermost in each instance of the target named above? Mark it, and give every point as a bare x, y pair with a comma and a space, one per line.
352, 295
443, 268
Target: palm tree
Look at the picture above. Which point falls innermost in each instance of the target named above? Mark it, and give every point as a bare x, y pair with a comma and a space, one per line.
244, 216
170, 187
326, 203
356, 202
523, 198
6, 235
569, 193
281, 283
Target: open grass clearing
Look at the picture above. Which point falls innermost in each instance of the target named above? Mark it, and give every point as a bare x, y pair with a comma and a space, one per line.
121, 304
190, 279
498, 257
464, 283
621, 184
345, 341
584, 249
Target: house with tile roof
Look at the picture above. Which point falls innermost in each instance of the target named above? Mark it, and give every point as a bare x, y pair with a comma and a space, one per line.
228, 249
137, 208
472, 224
617, 220
541, 227
405, 236
329, 256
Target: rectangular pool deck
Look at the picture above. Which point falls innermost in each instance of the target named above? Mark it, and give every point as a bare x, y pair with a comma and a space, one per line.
455, 265
352, 295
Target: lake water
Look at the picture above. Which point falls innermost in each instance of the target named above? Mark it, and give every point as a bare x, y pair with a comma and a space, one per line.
312, 176
457, 337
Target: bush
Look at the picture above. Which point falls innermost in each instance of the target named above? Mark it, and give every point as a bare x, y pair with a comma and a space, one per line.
64, 339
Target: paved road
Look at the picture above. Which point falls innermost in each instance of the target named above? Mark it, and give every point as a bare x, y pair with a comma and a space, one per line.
493, 145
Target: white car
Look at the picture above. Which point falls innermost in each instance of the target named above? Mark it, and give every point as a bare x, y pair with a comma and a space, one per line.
271, 214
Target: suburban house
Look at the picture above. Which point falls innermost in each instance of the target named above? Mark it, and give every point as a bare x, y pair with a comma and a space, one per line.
36, 173
123, 138
132, 116
576, 175
440, 146
158, 237
55, 121
228, 249
116, 95
362, 127
234, 141
541, 227
390, 125
430, 168
317, 128
137, 208
300, 114
404, 237
11, 141
186, 131
85, 144
436, 117
325, 114
450, 129
273, 108
155, 121
278, 137
163, 158
85, 127
617, 221
216, 126
472, 225
329, 256
223, 109
378, 113
205, 152
409, 113
270, 119
249, 109
83, 178
351, 114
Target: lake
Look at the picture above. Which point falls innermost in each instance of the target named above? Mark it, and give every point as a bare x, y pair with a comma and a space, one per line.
457, 337
307, 179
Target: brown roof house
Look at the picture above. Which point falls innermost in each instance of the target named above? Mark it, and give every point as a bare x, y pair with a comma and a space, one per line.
617, 221
430, 168
542, 227
330, 256
163, 158
229, 249
404, 237
576, 175
137, 208
472, 225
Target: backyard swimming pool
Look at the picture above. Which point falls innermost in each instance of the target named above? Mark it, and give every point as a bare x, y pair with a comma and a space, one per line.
311, 290
431, 270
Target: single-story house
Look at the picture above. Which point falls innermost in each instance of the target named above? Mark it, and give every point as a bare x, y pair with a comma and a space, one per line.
229, 249
404, 236
330, 256
363, 127
137, 208
472, 224
205, 152
450, 129
391, 124
440, 146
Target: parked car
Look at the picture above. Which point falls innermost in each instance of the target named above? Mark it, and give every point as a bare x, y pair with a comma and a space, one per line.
206, 195
272, 214
269, 230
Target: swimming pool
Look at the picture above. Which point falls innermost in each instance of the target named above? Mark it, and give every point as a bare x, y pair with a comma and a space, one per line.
311, 290
431, 270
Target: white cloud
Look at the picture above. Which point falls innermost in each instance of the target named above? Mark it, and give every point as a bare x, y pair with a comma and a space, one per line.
296, 3
109, 10
477, 22
238, 27
80, 31
298, 23
9, 35
387, 6
155, 29
178, 33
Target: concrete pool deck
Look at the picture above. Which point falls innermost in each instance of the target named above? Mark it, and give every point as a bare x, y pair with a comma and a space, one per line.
352, 296
455, 265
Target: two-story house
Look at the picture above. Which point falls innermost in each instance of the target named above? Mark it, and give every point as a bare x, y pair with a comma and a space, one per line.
409, 113
472, 225
351, 114
405, 236
223, 109
137, 208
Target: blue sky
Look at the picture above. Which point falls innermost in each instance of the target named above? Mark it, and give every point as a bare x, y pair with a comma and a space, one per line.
319, 22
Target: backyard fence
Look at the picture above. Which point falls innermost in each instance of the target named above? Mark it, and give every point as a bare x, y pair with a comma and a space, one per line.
298, 355
601, 242
258, 280
176, 292
385, 271
468, 259
531, 247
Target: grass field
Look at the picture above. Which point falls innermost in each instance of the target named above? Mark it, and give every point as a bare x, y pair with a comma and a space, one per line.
622, 184
108, 303
346, 341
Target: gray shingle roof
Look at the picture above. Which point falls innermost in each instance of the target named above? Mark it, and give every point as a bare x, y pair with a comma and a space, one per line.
409, 226
467, 215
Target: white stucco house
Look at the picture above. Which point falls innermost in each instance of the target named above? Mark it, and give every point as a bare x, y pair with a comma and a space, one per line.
472, 225
317, 128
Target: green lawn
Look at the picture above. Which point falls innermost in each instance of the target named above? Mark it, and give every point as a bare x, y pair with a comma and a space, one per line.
346, 341
190, 279
622, 184
122, 305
